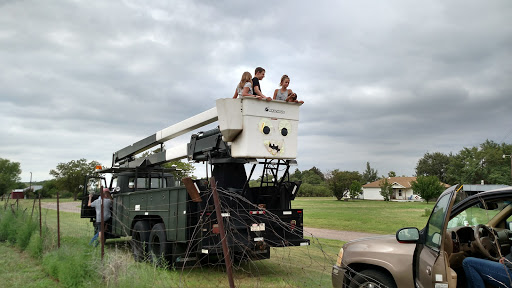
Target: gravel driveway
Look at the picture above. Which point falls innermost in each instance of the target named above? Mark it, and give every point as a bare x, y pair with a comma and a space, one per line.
63, 206
314, 232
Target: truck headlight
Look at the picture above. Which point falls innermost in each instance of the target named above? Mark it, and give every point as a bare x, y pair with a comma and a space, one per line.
340, 257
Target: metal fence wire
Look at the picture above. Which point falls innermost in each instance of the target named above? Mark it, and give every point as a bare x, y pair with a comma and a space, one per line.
310, 266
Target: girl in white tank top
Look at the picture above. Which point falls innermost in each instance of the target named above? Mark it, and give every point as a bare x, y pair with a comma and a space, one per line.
284, 93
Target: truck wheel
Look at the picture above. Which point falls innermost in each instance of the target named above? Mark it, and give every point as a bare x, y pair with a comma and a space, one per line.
140, 239
158, 246
372, 278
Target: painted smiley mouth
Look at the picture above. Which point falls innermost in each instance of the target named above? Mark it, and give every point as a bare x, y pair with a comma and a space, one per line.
274, 147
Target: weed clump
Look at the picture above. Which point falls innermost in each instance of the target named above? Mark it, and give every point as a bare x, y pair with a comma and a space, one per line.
72, 264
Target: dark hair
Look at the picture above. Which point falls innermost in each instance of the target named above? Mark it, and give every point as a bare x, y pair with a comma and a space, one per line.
258, 70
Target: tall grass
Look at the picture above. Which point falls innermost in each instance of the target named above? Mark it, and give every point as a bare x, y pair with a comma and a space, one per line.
76, 264
16, 227
73, 264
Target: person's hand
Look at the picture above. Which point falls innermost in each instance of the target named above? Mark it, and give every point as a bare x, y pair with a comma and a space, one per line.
502, 260
269, 99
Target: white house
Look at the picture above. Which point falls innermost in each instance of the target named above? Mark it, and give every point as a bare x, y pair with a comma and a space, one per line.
401, 188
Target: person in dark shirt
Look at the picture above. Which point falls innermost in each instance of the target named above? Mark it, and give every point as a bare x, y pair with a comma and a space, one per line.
259, 74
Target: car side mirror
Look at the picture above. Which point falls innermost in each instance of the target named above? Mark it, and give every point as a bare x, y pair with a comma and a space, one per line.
408, 235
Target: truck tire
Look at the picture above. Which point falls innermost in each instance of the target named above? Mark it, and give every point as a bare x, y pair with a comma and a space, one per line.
158, 245
140, 239
372, 278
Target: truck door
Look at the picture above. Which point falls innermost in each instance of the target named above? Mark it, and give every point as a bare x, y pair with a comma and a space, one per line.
431, 262
92, 185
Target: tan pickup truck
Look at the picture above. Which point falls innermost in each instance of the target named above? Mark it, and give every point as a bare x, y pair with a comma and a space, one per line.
478, 226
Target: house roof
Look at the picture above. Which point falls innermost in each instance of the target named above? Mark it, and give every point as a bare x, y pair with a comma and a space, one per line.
404, 182
398, 182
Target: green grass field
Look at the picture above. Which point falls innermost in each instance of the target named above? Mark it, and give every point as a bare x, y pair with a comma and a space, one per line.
288, 267
362, 215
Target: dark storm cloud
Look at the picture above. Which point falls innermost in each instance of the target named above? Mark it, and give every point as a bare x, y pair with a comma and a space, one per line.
383, 82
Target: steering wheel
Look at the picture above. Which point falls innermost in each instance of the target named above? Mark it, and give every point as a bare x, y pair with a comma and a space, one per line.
487, 244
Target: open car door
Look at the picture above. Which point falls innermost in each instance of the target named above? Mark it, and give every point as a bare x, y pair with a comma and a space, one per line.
92, 185
431, 266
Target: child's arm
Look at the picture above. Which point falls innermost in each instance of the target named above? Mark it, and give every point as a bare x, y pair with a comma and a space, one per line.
245, 92
236, 94
275, 94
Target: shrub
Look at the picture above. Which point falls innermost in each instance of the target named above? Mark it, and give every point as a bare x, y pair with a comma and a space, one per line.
8, 224
35, 246
72, 264
6, 219
24, 232
312, 190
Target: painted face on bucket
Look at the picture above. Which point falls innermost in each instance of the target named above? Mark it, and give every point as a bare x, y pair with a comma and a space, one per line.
275, 132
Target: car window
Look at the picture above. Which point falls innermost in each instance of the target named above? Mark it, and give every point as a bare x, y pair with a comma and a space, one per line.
436, 222
479, 213
93, 185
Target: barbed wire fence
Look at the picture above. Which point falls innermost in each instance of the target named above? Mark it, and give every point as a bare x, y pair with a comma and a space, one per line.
288, 266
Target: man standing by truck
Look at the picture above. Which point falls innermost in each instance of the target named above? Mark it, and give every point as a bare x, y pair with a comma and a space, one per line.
107, 204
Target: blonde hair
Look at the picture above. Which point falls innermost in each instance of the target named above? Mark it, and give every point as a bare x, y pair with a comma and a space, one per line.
246, 77
284, 77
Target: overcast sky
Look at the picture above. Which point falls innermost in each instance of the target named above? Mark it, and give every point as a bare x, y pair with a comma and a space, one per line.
382, 81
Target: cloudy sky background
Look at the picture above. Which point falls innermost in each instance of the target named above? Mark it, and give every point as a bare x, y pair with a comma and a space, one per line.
383, 81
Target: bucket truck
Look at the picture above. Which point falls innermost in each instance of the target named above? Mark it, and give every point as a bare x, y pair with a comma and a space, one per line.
177, 221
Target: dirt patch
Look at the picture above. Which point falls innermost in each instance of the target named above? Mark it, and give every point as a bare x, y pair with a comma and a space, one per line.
73, 207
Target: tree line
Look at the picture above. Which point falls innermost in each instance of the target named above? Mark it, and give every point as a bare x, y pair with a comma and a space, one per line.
468, 166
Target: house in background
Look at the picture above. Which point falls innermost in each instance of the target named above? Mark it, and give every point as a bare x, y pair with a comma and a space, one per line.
18, 194
24, 193
401, 189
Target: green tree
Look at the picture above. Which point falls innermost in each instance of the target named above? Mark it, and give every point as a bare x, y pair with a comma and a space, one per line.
317, 172
391, 174
428, 187
339, 182
183, 169
9, 175
386, 189
369, 174
296, 175
355, 189
433, 164
70, 176
473, 164
49, 189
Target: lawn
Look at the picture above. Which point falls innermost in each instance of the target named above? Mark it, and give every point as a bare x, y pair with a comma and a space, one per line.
362, 215
20, 270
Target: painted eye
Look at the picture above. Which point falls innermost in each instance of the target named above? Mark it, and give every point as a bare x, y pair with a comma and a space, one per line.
285, 127
265, 126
